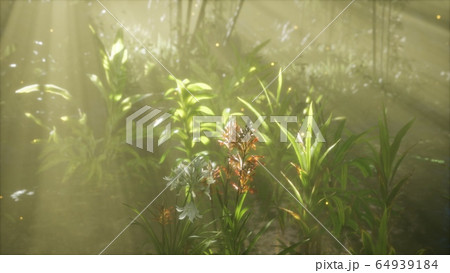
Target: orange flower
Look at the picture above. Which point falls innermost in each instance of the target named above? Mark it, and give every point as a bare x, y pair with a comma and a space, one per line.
240, 163
165, 215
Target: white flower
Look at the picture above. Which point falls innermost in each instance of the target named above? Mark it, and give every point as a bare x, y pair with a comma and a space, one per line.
189, 179
189, 210
196, 176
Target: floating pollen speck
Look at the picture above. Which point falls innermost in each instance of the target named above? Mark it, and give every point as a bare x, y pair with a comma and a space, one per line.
217, 44
326, 203
272, 64
438, 17
20, 218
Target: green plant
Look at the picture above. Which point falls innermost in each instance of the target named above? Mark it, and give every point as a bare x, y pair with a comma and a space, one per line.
229, 233
378, 244
387, 161
236, 238
174, 236
191, 179
72, 143
323, 183
188, 97
113, 83
278, 103
183, 234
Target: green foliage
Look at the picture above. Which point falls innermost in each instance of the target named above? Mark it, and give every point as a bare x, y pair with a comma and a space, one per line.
235, 234
72, 144
328, 188
78, 150
379, 244
387, 161
329, 175
230, 232
184, 234
173, 236
236, 237
190, 101
213, 210
275, 101
191, 179
48, 88
113, 83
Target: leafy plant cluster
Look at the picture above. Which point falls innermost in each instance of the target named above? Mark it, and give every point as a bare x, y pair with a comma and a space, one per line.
73, 143
220, 223
217, 191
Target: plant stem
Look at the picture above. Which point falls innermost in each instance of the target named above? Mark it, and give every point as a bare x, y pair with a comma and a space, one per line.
179, 25
188, 18
233, 21
382, 38
200, 17
374, 38
388, 40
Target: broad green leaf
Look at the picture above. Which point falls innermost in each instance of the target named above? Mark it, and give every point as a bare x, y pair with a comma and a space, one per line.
98, 83
340, 209
292, 247
49, 88
204, 140
280, 84
269, 101
258, 115
363, 165
205, 110
395, 190
191, 100
170, 91
199, 86
367, 242
294, 188
118, 45
382, 242
326, 153
398, 138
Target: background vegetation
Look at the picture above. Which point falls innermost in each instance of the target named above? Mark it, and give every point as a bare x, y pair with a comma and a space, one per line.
379, 182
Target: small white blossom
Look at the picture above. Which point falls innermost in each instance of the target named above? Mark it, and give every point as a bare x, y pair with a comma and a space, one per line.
190, 179
189, 210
